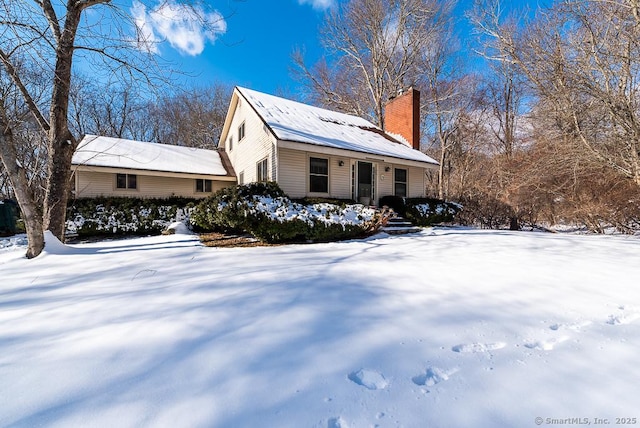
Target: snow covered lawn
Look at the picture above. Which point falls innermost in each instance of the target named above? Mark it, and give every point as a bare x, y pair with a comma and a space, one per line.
445, 328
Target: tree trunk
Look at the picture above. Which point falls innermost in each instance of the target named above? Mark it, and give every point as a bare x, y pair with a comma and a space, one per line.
30, 213
441, 174
514, 224
58, 185
61, 143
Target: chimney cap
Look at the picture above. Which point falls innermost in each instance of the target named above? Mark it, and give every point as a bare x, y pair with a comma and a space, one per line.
401, 92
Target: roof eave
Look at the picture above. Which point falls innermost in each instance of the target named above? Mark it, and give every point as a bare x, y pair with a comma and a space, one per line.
318, 148
151, 172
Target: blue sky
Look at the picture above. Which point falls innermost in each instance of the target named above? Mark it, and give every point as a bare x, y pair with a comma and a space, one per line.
255, 49
254, 45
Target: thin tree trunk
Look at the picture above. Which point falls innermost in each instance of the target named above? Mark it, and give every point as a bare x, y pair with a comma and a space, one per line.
443, 151
30, 213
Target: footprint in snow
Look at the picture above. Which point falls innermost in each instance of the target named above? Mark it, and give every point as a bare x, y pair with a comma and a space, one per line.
433, 376
472, 348
578, 326
370, 379
545, 345
337, 423
623, 317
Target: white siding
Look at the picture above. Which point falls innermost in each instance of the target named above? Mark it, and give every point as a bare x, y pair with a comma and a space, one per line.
340, 178
92, 184
255, 146
416, 184
292, 174
385, 179
415, 180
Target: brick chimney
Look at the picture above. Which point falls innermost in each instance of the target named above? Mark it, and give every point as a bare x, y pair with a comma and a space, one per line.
402, 116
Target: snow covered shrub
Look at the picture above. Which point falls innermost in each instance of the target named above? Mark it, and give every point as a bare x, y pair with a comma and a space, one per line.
429, 211
226, 210
332, 201
263, 210
125, 216
422, 211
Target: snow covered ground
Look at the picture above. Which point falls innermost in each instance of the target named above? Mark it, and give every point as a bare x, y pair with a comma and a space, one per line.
445, 328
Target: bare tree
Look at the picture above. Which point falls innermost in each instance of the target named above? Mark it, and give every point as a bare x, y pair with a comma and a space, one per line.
376, 48
115, 110
49, 36
31, 150
582, 58
193, 118
448, 94
21, 155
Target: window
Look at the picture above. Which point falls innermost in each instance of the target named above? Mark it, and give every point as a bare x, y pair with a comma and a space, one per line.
318, 175
126, 181
400, 182
262, 172
203, 186
241, 132
241, 178
231, 143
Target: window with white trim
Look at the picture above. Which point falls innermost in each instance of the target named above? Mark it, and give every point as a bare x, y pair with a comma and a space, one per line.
318, 175
400, 182
241, 132
262, 172
231, 143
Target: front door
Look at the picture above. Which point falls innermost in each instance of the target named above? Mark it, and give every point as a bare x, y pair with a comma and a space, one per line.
365, 182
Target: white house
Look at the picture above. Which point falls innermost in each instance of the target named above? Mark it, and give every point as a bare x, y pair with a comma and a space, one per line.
316, 152
105, 166
308, 151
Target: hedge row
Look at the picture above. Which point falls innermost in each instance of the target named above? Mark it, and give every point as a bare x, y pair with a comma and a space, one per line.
264, 210
422, 211
125, 216
261, 209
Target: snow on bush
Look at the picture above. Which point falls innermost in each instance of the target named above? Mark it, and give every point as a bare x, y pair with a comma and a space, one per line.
429, 210
263, 210
282, 209
12, 242
121, 216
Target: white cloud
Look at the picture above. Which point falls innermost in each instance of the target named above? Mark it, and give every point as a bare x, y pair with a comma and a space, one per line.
186, 28
146, 38
319, 4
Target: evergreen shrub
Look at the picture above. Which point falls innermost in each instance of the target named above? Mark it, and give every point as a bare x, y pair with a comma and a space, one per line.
266, 212
422, 211
103, 216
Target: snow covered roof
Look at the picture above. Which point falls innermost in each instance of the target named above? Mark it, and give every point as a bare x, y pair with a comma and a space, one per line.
130, 154
297, 122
